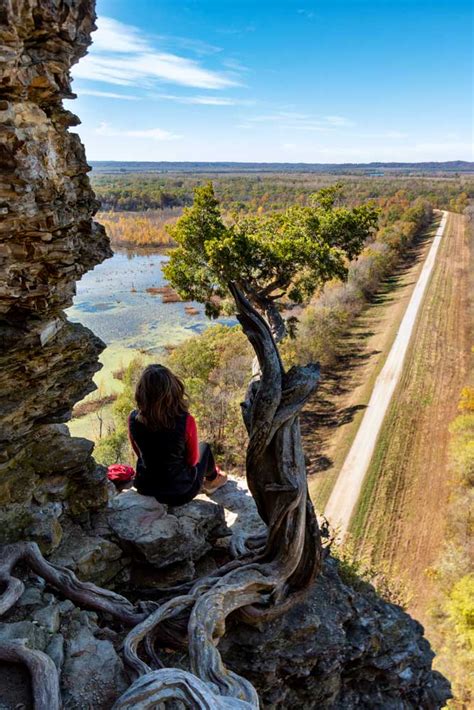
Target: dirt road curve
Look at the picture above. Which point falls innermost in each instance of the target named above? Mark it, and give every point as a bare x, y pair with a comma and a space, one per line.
348, 486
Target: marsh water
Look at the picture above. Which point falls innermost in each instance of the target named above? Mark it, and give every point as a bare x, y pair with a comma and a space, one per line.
112, 300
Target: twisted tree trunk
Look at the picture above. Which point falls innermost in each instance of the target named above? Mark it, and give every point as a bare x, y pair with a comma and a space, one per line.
275, 465
261, 584
264, 583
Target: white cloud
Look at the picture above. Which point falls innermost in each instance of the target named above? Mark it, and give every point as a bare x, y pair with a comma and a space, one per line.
206, 100
293, 121
193, 45
338, 121
106, 94
114, 36
157, 134
235, 65
143, 69
121, 55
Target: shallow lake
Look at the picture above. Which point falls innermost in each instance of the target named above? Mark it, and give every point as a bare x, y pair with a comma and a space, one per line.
113, 302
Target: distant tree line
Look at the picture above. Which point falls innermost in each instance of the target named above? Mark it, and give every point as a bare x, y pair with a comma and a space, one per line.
263, 193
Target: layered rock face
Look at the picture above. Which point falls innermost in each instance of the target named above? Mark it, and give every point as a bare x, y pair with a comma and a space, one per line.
48, 239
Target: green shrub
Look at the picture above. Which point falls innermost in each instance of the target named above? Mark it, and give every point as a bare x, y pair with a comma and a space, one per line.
216, 368
113, 448
460, 607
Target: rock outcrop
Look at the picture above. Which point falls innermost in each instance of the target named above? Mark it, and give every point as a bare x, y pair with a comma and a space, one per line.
162, 536
86, 655
48, 239
340, 649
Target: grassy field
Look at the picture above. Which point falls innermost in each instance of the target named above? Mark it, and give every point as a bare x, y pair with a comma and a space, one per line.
331, 419
400, 516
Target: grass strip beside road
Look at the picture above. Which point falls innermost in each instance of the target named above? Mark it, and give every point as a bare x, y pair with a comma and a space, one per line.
332, 418
399, 519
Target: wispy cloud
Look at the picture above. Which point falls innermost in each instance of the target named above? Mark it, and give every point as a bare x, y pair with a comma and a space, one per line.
235, 66
338, 121
291, 120
115, 36
156, 134
309, 14
196, 46
206, 100
106, 94
123, 56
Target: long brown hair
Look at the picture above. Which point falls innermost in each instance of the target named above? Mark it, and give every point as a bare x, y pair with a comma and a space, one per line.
160, 397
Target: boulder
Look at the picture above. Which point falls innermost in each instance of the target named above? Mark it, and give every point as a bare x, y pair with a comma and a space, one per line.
93, 674
149, 531
92, 557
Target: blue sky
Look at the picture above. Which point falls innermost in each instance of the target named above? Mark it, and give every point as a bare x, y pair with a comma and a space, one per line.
274, 80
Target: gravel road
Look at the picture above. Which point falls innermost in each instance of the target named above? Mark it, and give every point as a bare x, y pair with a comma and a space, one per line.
347, 489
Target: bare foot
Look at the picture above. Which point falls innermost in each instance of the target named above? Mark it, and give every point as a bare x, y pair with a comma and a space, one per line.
210, 486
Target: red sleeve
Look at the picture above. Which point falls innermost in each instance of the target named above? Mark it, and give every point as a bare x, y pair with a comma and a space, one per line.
132, 442
192, 441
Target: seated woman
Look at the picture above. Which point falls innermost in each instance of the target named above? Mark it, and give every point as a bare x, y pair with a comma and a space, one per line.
171, 464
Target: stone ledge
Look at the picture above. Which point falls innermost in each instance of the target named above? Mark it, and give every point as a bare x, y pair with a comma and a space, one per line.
160, 535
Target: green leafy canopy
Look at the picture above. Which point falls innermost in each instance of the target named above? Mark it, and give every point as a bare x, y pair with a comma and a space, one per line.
268, 256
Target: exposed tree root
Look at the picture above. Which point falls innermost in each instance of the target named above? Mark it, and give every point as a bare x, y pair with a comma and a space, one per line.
82, 593
173, 684
260, 585
43, 672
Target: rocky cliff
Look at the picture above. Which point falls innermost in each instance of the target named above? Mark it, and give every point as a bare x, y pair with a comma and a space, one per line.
339, 648
48, 239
